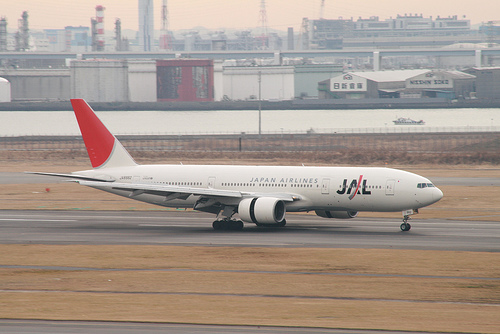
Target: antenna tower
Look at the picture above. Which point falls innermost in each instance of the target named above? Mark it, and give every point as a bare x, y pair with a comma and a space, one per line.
264, 38
165, 39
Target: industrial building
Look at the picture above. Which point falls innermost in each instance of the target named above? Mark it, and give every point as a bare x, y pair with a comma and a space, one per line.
142, 80
38, 84
398, 84
100, 80
409, 29
410, 25
445, 84
487, 81
104, 80
252, 83
275, 82
204, 80
4, 90
69, 39
185, 80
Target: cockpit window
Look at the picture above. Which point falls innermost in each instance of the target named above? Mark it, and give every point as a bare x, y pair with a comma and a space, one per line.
425, 185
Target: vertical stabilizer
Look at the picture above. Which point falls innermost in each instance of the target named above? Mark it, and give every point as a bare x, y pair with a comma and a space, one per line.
103, 148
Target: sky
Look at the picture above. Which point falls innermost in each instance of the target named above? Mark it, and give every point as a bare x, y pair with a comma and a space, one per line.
238, 14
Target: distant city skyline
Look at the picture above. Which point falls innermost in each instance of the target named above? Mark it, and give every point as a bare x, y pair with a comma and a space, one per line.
236, 14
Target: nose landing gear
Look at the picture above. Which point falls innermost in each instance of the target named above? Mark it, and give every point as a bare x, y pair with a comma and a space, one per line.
405, 226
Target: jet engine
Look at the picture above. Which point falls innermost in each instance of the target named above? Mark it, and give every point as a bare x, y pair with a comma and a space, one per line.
262, 211
337, 214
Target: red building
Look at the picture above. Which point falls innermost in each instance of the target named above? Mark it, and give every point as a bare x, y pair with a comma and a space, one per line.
185, 80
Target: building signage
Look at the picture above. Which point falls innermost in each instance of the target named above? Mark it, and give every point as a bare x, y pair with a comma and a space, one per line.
348, 83
430, 80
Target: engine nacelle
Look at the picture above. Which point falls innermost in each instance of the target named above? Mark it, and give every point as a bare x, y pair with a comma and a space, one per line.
262, 210
337, 214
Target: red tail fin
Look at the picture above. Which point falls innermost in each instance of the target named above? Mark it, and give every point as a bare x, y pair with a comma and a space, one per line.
100, 143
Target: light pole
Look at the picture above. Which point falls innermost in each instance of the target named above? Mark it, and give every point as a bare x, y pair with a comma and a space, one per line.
260, 103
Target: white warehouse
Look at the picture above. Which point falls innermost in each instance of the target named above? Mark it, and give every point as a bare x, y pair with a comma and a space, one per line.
277, 82
242, 83
4, 90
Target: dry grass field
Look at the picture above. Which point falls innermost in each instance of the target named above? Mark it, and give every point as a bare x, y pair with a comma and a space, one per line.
331, 288
434, 291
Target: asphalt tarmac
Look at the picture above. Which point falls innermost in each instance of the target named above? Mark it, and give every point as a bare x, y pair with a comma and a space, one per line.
195, 228
96, 327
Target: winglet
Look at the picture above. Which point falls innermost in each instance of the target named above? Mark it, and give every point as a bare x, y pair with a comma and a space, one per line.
103, 148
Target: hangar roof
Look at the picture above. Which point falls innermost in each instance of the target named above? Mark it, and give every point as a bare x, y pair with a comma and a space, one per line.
459, 75
389, 76
486, 68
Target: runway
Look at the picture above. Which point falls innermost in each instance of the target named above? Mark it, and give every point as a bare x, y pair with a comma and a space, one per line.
96, 327
194, 228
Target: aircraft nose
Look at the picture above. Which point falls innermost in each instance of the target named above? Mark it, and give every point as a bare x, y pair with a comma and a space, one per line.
437, 194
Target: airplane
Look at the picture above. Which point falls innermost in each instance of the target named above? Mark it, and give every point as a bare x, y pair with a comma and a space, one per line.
261, 195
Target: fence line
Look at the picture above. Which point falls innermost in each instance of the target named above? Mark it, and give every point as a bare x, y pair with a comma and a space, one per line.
389, 129
397, 142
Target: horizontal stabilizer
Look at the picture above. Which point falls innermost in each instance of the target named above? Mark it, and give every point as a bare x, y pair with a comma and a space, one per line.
73, 176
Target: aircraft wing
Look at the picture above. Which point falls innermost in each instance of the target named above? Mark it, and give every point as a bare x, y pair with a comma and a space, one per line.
176, 192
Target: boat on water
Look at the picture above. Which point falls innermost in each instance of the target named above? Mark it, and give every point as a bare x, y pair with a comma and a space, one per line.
407, 121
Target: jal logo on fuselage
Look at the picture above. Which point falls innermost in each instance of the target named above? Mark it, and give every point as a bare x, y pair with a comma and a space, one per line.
356, 185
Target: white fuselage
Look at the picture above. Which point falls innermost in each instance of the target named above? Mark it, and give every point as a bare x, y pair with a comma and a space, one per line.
317, 188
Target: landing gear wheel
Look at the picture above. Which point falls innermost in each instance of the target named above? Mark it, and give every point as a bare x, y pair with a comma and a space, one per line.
228, 225
405, 227
217, 225
236, 225
281, 223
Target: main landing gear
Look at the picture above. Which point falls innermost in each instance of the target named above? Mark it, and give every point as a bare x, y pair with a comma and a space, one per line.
224, 221
405, 226
227, 225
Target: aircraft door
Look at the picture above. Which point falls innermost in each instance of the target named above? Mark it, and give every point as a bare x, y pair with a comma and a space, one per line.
211, 182
389, 187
